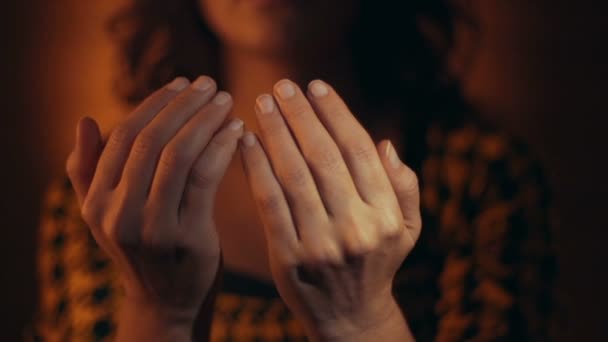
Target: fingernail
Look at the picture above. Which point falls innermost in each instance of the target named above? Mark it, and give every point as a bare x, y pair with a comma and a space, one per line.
249, 139
178, 84
265, 104
221, 98
318, 89
202, 83
392, 156
286, 90
236, 124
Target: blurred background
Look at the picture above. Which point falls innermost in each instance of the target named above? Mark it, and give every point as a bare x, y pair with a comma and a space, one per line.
57, 65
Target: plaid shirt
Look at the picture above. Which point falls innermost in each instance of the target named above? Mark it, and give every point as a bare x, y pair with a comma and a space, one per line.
482, 270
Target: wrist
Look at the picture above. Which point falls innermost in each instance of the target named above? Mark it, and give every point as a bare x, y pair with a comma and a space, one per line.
181, 314
148, 322
387, 324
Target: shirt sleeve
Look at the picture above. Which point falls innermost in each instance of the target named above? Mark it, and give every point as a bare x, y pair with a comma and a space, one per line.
76, 282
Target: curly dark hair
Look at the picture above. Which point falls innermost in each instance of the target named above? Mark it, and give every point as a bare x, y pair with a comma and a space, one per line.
160, 40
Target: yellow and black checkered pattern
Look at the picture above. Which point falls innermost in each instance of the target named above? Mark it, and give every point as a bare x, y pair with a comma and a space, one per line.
482, 270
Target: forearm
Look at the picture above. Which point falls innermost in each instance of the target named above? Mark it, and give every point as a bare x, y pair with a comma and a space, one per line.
391, 328
141, 323
204, 319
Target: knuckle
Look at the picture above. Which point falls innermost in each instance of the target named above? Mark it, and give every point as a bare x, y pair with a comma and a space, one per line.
298, 111
91, 212
122, 135
88, 212
121, 220
323, 255
296, 177
287, 265
358, 242
71, 165
145, 143
364, 152
410, 181
172, 160
275, 129
256, 161
179, 101
327, 159
390, 226
183, 99
269, 203
202, 178
157, 237
219, 143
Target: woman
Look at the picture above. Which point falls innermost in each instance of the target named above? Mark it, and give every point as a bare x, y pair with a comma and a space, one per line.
480, 269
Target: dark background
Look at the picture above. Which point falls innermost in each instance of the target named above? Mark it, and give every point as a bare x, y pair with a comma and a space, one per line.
56, 65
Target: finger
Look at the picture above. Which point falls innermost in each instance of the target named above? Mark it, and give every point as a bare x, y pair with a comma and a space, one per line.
405, 185
323, 157
145, 157
355, 144
82, 162
118, 146
296, 180
207, 172
171, 177
281, 233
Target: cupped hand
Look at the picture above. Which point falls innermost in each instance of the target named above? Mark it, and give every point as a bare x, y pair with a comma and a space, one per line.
148, 194
340, 213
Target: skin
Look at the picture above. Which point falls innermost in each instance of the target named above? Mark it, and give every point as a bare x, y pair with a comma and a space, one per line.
340, 214
332, 214
148, 198
258, 42
265, 29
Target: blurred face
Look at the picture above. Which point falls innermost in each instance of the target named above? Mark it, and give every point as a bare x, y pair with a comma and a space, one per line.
510, 68
279, 26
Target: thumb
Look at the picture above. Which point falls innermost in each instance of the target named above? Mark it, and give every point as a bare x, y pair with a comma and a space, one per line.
405, 184
82, 162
